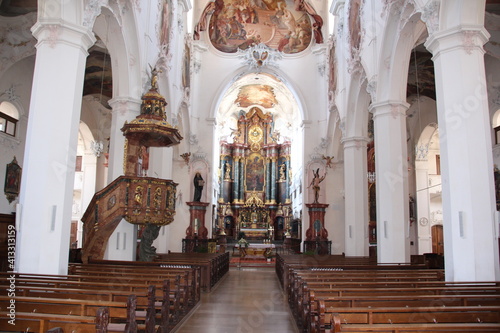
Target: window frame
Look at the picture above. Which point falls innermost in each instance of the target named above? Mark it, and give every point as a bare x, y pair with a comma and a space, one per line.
8, 119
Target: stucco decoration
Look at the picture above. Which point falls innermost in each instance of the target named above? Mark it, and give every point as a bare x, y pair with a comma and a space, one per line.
16, 40
430, 15
237, 24
92, 10
260, 56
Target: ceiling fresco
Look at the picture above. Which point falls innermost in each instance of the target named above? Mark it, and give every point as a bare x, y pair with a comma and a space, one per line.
240, 24
421, 80
98, 75
17, 7
256, 94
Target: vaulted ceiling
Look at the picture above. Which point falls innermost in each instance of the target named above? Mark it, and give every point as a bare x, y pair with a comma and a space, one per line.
17, 7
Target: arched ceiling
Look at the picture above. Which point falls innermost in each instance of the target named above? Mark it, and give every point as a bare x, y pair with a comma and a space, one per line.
17, 7
264, 91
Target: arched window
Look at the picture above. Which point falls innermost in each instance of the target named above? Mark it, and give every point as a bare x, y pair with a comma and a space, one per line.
8, 118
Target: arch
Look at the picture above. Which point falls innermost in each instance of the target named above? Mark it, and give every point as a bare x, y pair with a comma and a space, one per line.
400, 36
122, 44
495, 122
356, 119
9, 109
236, 75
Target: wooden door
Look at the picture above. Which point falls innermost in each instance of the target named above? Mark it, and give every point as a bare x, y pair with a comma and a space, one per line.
437, 239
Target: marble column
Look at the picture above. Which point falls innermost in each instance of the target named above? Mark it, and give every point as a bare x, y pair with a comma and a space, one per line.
273, 180
470, 236
236, 184
356, 196
392, 181
46, 196
242, 181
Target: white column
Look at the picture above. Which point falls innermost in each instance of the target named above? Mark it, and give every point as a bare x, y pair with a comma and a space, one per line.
470, 237
122, 242
391, 165
51, 141
124, 109
356, 196
423, 211
88, 188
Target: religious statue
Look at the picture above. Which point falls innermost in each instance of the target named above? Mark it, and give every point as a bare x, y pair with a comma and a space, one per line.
198, 187
138, 195
142, 161
227, 174
157, 198
329, 161
282, 172
154, 77
315, 184
147, 251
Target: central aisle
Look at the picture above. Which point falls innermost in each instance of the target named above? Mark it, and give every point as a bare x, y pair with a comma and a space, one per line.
247, 300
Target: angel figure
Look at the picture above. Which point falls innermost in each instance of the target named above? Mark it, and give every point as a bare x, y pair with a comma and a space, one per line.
329, 161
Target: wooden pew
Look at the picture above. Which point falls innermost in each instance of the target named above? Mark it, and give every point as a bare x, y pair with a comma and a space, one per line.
336, 294
167, 303
42, 322
403, 315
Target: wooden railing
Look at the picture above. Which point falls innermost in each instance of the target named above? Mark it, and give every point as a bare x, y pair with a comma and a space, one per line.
138, 200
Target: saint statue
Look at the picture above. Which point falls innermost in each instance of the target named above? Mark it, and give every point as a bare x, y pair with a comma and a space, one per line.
282, 172
227, 175
315, 184
198, 187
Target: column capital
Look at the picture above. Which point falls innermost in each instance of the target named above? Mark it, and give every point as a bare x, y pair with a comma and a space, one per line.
465, 37
55, 32
355, 142
389, 107
125, 104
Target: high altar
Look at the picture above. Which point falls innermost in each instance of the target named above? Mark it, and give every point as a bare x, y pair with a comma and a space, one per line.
254, 195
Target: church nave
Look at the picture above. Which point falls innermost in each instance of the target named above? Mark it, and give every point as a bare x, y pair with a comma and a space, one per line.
247, 300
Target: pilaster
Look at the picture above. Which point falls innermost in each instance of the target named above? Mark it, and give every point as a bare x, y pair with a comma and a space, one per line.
356, 196
392, 181
51, 141
470, 237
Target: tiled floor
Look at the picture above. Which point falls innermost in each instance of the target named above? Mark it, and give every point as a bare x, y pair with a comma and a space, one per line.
247, 300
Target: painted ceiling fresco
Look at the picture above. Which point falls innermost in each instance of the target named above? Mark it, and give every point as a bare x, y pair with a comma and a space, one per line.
245, 23
256, 94
17, 7
421, 80
98, 75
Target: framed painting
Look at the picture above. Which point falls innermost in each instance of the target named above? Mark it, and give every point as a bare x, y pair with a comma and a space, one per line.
12, 180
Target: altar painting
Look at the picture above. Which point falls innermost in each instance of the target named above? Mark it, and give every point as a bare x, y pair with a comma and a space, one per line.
254, 173
240, 24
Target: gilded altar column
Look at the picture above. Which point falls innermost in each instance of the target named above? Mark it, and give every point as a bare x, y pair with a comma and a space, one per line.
268, 179
241, 198
236, 183
273, 180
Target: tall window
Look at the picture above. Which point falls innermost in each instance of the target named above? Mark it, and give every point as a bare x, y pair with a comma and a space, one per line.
8, 118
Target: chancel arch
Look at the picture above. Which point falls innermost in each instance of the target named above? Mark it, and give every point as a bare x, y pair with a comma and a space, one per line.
257, 121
